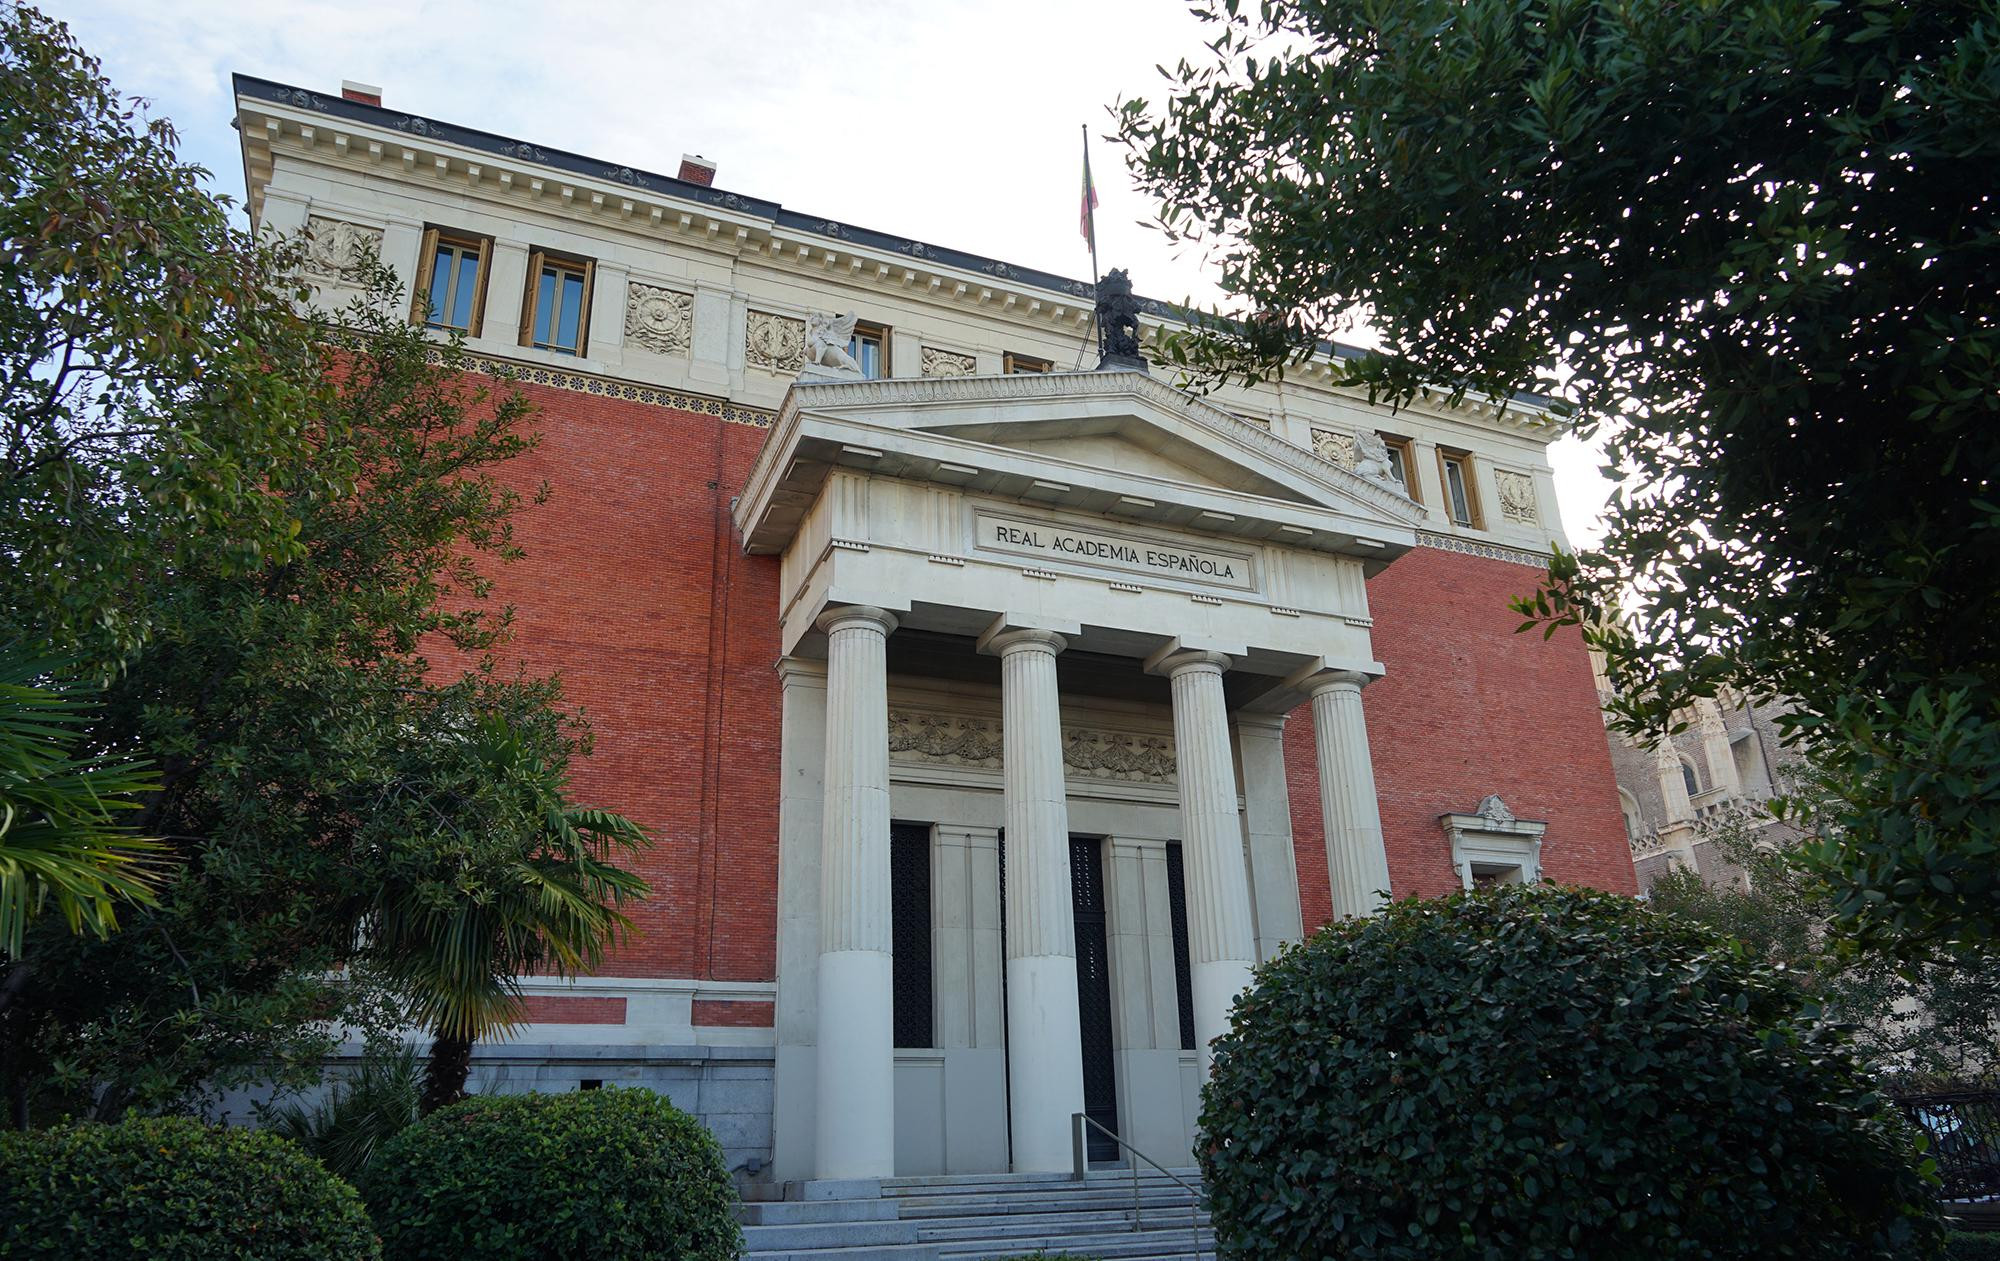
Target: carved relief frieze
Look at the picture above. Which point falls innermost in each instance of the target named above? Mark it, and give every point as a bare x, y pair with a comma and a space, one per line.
340, 251
659, 320
1335, 447
776, 343
957, 740
1517, 496
947, 363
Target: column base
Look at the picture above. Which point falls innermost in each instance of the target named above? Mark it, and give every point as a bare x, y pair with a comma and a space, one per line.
1215, 986
857, 1065
1044, 1060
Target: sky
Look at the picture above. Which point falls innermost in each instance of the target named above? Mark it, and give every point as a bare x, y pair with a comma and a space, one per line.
950, 121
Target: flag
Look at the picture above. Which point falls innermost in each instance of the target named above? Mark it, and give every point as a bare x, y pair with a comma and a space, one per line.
1086, 221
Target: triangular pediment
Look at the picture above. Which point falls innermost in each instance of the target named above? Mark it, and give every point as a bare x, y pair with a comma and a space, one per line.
1114, 442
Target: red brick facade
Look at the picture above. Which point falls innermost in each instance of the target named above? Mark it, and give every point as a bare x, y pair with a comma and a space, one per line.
636, 591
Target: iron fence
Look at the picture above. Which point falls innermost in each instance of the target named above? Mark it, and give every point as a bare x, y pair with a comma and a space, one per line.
1964, 1129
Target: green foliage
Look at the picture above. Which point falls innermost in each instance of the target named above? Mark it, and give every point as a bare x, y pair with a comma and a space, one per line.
621, 1175
60, 840
154, 370
355, 1114
1534, 1071
270, 526
173, 1190
1753, 248
1964, 1245
1934, 1017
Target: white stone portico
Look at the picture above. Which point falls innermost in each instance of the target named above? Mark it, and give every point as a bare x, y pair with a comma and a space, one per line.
1031, 613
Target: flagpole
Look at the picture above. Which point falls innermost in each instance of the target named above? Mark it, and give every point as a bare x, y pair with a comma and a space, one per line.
1090, 218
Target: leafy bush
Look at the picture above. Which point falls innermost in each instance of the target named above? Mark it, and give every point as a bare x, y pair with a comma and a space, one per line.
356, 1115
169, 1189
1964, 1245
1542, 1072
621, 1175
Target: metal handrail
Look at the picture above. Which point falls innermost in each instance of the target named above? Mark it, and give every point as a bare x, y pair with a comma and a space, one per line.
1080, 1169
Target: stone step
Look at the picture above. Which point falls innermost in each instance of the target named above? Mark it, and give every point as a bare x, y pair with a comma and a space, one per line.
975, 1203
828, 1235
804, 1212
878, 1252
916, 1183
1049, 1223
1129, 1246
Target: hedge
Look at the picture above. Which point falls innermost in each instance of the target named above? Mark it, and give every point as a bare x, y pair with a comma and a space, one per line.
170, 1189
1544, 1072
617, 1175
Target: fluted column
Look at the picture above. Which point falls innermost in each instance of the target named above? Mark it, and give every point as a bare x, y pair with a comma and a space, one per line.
1221, 951
1357, 865
1044, 1037
857, 1058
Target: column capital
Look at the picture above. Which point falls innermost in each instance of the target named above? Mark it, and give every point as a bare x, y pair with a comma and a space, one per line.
855, 615
1174, 660
1266, 724
801, 672
1008, 642
1316, 679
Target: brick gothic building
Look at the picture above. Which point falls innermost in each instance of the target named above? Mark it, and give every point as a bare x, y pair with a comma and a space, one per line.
994, 719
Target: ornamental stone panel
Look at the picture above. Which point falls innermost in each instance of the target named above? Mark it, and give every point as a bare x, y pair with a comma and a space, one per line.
659, 320
1517, 496
776, 343
340, 251
947, 363
954, 740
1336, 447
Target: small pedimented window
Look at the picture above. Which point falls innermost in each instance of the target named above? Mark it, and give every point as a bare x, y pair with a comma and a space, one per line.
1491, 846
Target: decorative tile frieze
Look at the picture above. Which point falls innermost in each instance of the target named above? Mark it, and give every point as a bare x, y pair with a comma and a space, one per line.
957, 740
948, 363
340, 251
1335, 447
776, 343
1517, 496
659, 320
1491, 551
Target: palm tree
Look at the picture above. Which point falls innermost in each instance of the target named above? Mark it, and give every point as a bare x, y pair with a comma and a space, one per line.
516, 881
60, 844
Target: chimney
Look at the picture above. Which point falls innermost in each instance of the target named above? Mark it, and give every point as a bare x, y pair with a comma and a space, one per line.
696, 169
366, 93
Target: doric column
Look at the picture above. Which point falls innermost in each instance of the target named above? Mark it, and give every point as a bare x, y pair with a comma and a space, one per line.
857, 1058
1044, 1038
1357, 865
1220, 949
801, 828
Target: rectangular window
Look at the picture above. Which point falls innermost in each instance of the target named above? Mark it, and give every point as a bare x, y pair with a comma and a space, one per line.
556, 312
1177, 918
1401, 463
870, 348
450, 292
1460, 499
1026, 363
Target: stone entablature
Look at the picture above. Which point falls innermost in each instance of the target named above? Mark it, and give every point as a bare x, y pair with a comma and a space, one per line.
750, 271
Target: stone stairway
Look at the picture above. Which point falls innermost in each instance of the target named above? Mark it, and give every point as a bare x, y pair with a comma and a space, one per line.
971, 1217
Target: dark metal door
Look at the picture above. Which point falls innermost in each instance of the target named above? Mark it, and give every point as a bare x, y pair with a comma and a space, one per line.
1093, 993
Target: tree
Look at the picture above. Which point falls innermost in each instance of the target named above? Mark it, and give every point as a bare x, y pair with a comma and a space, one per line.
496, 877
60, 840
1752, 248
266, 525
1935, 1017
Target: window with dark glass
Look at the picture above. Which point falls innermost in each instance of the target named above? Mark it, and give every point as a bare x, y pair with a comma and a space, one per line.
451, 282
910, 933
870, 348
1178, 921
556, 314
1026, 363
1690, 779
1460, 500
1400, 463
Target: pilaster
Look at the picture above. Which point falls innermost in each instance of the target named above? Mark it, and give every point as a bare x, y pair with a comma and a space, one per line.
1267, 832
1356, 861
801, 784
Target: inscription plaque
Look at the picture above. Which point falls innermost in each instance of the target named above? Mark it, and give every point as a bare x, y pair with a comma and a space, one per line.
1130, 552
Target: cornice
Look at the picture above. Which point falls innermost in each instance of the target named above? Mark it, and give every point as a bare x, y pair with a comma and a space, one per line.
1491, 551
611, 387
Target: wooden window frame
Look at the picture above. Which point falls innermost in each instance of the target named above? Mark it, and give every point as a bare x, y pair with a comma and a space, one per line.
538, 261
420, 292
1012, 363
1464, 458
879, 333
1407, 448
